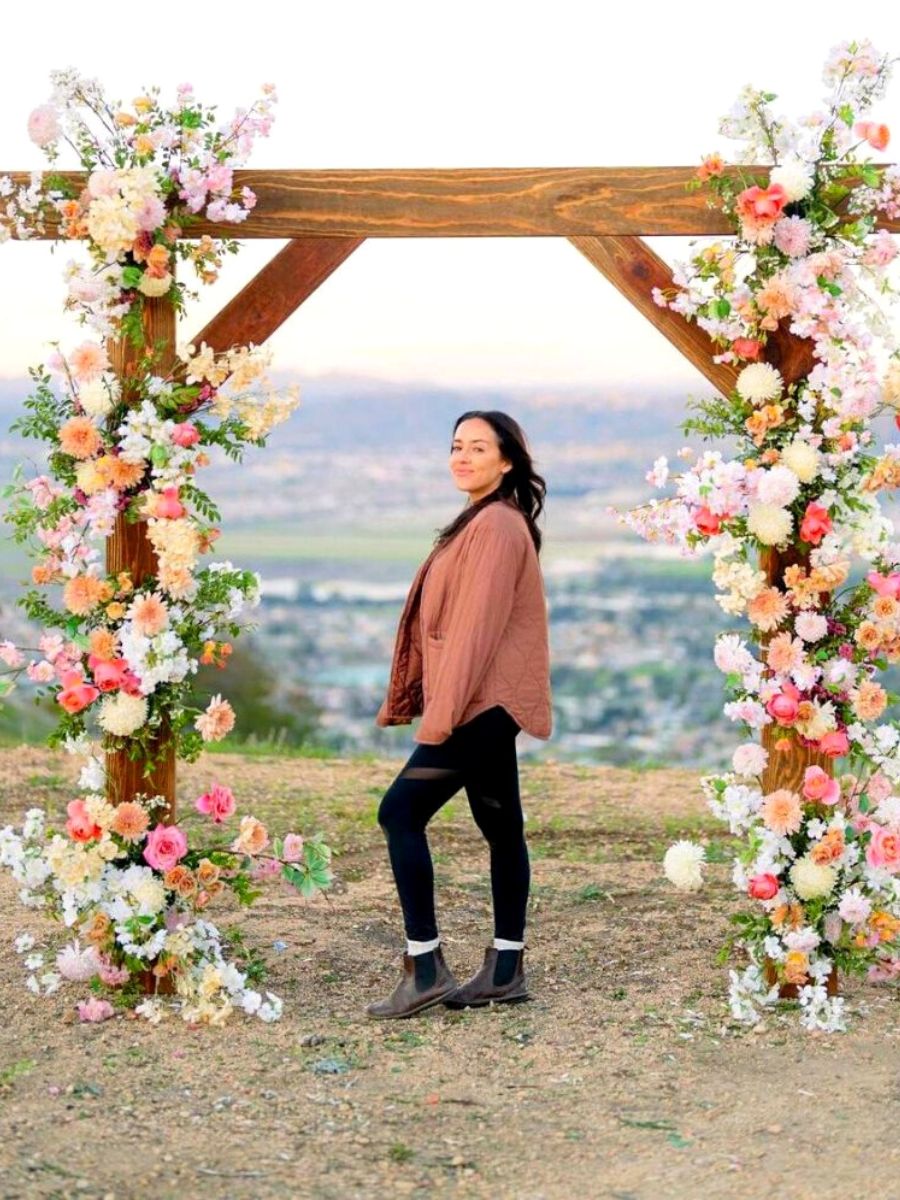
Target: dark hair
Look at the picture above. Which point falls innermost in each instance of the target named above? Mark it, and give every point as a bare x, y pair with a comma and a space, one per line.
521, 485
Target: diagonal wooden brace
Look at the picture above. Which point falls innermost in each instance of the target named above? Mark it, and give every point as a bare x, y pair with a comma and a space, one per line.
276, 291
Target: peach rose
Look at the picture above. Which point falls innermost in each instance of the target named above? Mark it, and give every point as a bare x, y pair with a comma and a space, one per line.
884, 849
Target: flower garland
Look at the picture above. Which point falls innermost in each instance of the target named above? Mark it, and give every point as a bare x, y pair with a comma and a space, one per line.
117, 654
822, 863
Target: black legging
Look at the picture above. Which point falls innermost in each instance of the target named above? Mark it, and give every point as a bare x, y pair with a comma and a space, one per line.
481, 757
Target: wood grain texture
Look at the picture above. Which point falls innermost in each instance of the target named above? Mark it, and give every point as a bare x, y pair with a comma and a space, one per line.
127, 548
634, 269
276, 291
477, 202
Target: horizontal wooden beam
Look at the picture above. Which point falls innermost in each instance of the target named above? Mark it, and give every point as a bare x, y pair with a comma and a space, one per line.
482, 202
276, 291
633, 268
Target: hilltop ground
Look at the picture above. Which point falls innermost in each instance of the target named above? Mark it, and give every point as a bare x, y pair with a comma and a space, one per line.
624, 1079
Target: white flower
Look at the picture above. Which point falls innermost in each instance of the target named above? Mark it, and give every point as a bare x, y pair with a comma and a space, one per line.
801, 458
23, 943
795, 177
682, 865
769, 524
855, 908
759, 383
121, 714
750, 759
811, 879
77, 965
98, 397
811, 626
778, 486
150, 1010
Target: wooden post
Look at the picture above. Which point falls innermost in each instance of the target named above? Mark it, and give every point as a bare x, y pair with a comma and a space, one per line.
128, 549
794, 359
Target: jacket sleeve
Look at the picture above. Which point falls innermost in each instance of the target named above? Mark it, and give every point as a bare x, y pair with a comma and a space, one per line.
484, 591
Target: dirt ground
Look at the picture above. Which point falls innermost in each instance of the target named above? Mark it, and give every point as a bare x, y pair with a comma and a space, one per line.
624, 1079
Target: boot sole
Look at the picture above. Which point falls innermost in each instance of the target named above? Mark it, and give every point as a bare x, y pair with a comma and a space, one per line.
520, 999
411, 1012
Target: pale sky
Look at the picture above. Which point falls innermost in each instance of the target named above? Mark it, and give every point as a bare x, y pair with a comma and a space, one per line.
476, 83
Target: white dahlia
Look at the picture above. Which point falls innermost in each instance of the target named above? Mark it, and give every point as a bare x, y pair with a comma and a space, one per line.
811, 879
769, 524
778, 486
803, 459
121, 714
682, 865
759, 383
795, 177
98, 397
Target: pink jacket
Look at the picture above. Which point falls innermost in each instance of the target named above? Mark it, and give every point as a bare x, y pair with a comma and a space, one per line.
473, 633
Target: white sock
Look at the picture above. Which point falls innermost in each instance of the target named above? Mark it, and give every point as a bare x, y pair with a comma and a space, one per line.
503, 944
413, 948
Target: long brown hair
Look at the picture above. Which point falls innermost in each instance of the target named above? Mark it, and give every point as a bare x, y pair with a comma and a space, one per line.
521, 485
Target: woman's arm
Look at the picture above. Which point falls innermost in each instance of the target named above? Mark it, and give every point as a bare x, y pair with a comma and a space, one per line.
483, 594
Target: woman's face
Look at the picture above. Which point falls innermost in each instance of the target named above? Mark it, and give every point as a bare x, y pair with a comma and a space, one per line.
476, 464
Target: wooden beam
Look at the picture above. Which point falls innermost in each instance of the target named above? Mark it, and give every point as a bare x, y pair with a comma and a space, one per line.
276, 291
632, 267
481, 202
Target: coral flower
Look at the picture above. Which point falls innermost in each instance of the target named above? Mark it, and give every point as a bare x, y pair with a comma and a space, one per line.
76, 694
820, 786
784, 653
835, 744
103, 644
768, 609
816, 523
884, 585
781, 812
216, 721
712, 165
707, 522
872, 132
149, 614
749, 348
83, 593
81, 826
761, 204
80, 438
88, 361
130, 821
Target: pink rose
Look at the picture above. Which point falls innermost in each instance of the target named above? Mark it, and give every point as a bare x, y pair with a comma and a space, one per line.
76, 694
218, 803
166, 844
292, 850
80, 826
820, 786
884, 849
707, 522
109, 674
168, 504
834, 744
762, 887
185, 434
815, 524
784, 707
878, 788
761, 204
747, 348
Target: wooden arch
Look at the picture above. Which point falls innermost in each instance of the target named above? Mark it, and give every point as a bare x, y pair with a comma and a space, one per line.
605, 212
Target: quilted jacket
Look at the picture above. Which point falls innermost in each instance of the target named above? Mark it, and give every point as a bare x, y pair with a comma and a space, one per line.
473, 632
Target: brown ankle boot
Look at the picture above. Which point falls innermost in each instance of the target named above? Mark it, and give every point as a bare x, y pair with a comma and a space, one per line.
481, 989
406, 999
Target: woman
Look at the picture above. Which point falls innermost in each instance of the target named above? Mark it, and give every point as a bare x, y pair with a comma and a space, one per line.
471, 658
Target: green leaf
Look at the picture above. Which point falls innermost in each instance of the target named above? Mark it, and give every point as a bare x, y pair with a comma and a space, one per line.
845, 112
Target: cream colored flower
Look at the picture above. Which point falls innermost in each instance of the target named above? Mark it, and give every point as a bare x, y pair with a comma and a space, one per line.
112, 225
121, 714
682, 865
802, 459
759, 383
98, 397
811, 879
769, 524
891, 385
150, 894
149, 285
795, 177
